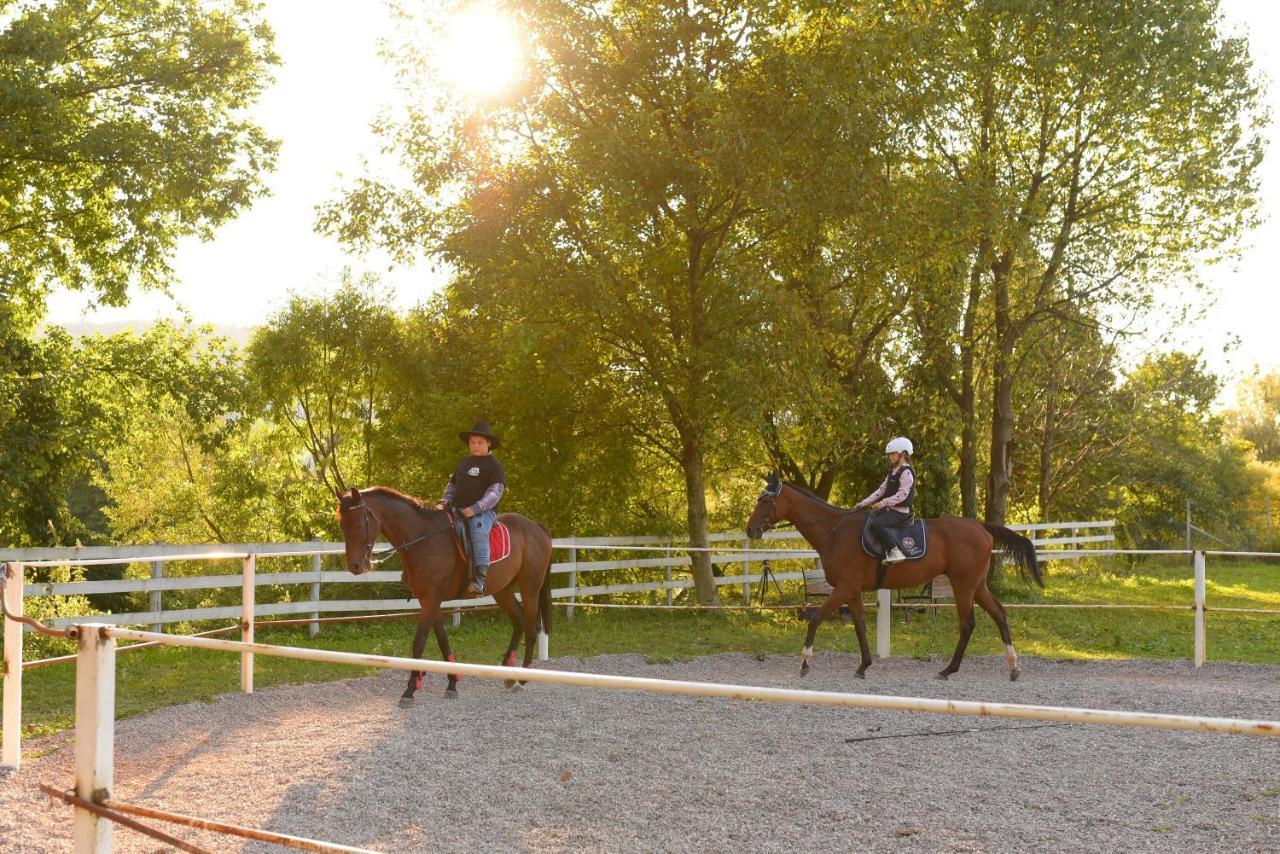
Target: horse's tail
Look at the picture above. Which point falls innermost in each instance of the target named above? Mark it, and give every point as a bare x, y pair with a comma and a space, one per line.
544, 594
1019, 550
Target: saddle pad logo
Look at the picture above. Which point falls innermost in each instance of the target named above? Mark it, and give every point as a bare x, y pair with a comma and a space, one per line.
473, 471
908, 542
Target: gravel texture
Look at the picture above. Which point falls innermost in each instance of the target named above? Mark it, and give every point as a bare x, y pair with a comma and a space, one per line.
555, 768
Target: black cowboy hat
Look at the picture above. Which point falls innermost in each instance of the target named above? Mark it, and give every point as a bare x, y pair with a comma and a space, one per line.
480, 428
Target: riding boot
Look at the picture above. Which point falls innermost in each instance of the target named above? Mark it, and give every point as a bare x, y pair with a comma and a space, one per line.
895, 555
477, 585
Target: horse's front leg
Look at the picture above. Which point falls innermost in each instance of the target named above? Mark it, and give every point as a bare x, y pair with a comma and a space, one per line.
446, 654
419, 643
838, 596
860, 623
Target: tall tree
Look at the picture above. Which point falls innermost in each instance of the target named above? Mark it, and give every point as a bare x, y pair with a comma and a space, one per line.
1102, 147
628, 190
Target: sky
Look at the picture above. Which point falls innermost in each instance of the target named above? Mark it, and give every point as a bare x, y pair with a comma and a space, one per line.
328, 89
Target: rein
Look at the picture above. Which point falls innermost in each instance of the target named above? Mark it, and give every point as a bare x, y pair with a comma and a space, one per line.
371, 541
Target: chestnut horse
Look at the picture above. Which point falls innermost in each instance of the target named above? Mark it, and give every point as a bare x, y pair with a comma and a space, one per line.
436, 571
959, 548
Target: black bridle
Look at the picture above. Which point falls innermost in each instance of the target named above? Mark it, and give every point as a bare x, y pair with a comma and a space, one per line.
371, 537
769, 497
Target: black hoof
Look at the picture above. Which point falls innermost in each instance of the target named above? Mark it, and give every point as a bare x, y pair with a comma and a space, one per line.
1014, 674
804, 670
516, 687
861, 674
943, 676
406, 702
451, 693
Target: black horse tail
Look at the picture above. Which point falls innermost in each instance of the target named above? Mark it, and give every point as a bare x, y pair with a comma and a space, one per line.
1018, 549
544, 594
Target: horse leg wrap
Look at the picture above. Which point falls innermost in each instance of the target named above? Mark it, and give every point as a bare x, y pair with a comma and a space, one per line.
456, 677
419, 679
510, 660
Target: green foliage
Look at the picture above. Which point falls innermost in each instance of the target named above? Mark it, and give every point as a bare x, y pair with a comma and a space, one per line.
125, 130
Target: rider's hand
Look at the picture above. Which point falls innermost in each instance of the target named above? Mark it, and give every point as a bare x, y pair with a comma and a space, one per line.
466, 511
439, 505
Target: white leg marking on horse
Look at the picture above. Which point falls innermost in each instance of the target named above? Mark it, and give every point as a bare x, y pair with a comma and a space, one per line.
1010, 656
806, 654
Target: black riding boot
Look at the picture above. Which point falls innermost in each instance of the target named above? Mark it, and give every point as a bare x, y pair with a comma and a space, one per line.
478, 583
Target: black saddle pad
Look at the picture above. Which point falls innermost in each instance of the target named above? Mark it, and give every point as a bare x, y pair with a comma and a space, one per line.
910, 535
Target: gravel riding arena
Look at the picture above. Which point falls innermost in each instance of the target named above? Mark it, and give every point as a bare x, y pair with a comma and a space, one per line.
554, 768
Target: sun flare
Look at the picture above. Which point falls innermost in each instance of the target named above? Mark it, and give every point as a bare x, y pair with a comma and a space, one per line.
482, 53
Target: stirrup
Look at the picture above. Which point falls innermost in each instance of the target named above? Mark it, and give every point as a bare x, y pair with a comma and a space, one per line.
477, 585
895, 555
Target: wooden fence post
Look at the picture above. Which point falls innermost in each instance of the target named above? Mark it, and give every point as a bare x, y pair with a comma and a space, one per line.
883, 611
156, 602
1200, 645
95, 736
573, 581
12, 751
746, 573
247, 593
667, 575
316, 567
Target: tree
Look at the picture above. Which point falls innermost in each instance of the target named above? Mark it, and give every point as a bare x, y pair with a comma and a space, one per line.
320, 366
125, 130
1256, 417
628, 190
1101, 147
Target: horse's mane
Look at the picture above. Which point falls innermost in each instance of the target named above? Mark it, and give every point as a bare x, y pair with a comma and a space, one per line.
806, 491
416, 503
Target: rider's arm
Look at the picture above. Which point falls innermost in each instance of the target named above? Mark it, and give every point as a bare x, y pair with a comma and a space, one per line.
904, 489
448, 491
490, 499
873, 497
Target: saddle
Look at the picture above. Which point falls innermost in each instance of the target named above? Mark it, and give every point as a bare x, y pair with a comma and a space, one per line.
910, 535
499, 539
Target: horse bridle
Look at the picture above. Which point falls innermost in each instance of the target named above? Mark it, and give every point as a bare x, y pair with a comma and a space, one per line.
371, 539
769, 497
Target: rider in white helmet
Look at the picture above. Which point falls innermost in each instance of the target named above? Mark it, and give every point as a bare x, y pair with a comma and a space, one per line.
891, 503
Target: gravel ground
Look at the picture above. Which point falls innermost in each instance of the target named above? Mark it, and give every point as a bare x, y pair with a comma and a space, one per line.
556, 768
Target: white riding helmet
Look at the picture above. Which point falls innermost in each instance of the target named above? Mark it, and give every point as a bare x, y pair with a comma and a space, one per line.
899, 445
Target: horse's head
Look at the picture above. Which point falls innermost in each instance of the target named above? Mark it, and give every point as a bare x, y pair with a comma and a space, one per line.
360, 530
767, 513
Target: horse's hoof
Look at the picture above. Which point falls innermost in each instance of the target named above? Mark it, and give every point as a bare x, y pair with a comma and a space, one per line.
861, 674
507, 683
942, 676
516, 687
1014, 674
804, 669
406, 702
451, 693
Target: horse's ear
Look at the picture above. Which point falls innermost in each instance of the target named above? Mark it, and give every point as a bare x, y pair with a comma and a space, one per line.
773, 484
353, 493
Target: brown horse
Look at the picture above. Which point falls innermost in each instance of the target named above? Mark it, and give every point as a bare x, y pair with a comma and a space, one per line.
960, 548
436, 571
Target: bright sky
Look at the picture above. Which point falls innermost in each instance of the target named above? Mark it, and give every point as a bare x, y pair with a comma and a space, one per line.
330, 85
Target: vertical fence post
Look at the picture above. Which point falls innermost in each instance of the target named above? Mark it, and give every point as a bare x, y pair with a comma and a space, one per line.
883, 610
573, 581
246, 622
95, 735
316, 567
1199, 560
156, 603
746, 573
12, 753
667, 576
457, 613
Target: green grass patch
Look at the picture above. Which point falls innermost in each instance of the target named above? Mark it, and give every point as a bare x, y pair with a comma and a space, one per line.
154, 678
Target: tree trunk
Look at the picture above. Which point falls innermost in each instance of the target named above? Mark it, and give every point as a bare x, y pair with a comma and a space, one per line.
999, 476
1046, 446
703, 578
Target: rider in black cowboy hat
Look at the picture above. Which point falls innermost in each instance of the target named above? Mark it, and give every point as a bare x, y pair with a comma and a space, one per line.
476, 487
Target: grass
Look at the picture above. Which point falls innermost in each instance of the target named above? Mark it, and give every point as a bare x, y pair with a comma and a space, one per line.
155, 678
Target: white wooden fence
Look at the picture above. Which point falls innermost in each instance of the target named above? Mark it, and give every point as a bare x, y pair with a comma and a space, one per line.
248, 579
